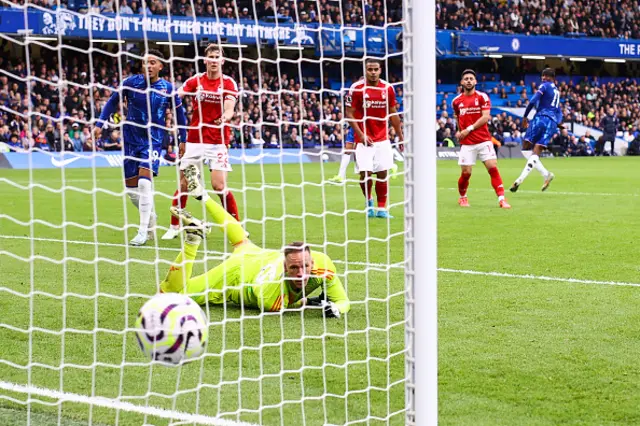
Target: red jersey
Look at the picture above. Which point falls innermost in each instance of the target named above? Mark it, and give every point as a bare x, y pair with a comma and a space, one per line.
209, 97
468, 110
372, 105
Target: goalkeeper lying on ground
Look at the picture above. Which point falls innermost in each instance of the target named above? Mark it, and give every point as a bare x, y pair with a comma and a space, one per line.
269, 280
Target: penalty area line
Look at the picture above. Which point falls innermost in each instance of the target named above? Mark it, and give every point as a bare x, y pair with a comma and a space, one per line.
119, 405
537, 277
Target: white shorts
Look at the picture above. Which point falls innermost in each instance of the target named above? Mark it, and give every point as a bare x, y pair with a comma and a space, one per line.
216, 155
483, 151
376, 158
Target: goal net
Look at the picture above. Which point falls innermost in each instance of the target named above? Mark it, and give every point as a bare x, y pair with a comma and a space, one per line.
72, 284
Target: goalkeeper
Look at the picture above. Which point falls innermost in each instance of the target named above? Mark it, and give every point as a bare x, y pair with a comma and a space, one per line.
252, 277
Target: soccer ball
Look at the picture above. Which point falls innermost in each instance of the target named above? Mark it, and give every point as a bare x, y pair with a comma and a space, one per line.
172, 328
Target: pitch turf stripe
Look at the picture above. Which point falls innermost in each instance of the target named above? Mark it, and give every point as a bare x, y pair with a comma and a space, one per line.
115, 404
537, 277
552, 192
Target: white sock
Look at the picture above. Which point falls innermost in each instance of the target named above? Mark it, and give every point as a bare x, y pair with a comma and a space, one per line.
344, 163
539, 167
531, 164
134, 196
145, 205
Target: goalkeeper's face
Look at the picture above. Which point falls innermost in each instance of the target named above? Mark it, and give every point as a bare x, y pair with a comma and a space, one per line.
297, 268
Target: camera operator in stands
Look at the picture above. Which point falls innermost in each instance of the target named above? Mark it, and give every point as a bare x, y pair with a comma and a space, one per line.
609, 125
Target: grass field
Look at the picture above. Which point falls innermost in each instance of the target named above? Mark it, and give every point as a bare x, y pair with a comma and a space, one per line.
519, 343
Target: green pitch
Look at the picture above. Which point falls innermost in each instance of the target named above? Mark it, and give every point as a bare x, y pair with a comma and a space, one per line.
512, 350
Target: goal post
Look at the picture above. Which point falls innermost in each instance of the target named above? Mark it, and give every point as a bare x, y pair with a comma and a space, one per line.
421, 214
72, 286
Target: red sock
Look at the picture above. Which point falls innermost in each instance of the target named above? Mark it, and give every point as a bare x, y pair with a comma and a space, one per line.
183, 203
496, 181
229, 203
381, 193
463, 184
366, 187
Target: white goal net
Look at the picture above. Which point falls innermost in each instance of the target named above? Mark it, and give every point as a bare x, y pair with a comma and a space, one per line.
72, 284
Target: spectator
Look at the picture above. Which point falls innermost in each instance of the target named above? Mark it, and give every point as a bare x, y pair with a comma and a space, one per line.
114, 143
609, 125
256, 140
125, 9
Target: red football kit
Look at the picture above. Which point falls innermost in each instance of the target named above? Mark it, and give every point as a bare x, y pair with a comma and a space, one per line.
469, 109
372, 104
209, 96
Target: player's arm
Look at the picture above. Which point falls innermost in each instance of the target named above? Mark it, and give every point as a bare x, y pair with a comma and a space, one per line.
353, 101
181, 119
396, 123
112, 106
532, 102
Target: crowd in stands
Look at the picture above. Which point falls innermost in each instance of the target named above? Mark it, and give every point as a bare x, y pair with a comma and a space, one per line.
585, 102
573, 18
277, 113
343, 12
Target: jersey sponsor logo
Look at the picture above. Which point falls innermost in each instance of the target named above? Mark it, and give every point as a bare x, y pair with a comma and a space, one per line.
375, 104
470, 110
62, 163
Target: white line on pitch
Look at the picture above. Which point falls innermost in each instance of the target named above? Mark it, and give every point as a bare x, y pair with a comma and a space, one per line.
98, 401
537, 277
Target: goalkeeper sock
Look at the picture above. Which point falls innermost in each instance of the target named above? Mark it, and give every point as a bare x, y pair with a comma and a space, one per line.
177, 277
182, 200
145, 204
134, 196
229, 202
344, 163
531, 163
382, 188
496, 182
463, 184
234, 230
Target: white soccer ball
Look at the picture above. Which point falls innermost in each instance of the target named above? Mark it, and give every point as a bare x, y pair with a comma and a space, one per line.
325, 157
172, 328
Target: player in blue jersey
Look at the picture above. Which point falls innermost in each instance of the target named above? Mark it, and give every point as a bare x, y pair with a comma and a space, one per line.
544, 125
148, 98
349, 150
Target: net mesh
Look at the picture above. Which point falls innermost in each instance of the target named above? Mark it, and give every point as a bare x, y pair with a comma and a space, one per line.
72, 285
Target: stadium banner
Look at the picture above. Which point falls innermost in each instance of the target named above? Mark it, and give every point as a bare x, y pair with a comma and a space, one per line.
516, 44
336, 40
57, 160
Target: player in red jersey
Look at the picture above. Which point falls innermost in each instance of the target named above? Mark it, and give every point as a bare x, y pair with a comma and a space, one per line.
473, 111
215, 96
370, 105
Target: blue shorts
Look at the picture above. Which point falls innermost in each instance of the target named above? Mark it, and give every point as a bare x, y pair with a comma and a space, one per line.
137, 156
541, 130
350, 138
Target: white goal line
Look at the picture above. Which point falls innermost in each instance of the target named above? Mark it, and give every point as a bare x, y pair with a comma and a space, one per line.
537, 277
98, 401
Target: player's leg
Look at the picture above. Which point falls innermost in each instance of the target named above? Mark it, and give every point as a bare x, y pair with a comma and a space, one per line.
466, 161
364, 161
487, 155
177, 277
382, 163
344, 162
219, 166
538, 135
180, 201
234, 231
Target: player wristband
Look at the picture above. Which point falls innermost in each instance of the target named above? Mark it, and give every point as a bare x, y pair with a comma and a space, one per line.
470, 128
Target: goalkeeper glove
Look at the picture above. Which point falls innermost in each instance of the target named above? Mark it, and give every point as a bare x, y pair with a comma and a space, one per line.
329, 308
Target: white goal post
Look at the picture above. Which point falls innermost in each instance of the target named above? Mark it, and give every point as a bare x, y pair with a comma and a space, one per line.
72, 285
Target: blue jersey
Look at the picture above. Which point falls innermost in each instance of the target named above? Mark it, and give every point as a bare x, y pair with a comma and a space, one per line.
146, 107
548, 101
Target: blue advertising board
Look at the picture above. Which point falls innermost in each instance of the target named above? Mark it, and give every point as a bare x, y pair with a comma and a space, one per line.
57, 160
517, 44
335, 40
